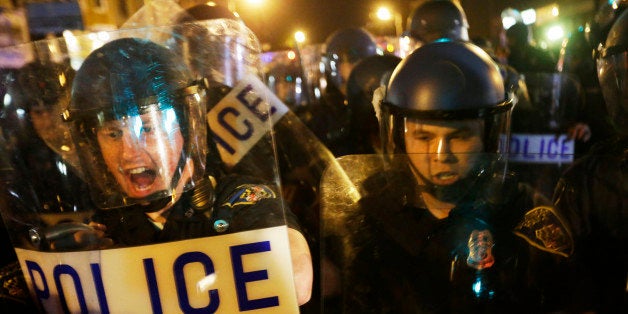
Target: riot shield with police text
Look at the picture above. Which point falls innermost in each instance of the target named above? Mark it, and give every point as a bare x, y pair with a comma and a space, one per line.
109, 201
541, 146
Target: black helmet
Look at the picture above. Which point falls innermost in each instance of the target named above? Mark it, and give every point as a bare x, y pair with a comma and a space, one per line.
44, 84
126, 80
437, 19
44, 92
349, 46
207, 11
446, 81
367, 75
612, 64
518, 35
597, 29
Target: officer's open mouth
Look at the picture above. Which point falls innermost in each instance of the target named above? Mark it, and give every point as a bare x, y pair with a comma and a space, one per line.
446, 177
142, 177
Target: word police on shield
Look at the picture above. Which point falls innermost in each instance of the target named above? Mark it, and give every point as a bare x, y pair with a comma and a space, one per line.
248, 272
541, 148
242, 117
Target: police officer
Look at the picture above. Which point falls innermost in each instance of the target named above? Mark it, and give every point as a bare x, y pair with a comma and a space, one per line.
138, 118
593, 194
444, 228
329, 119
36, 178
438, 20
368, 75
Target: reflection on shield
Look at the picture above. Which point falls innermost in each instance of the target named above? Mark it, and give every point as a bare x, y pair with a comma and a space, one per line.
343, 185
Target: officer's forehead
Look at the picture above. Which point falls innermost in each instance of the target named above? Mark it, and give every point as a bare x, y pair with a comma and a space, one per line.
166, 116
466, 124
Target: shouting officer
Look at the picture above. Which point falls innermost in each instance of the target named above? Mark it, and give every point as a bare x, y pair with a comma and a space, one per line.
138, 119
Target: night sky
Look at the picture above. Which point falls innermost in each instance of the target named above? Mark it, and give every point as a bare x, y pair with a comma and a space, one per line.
277, 21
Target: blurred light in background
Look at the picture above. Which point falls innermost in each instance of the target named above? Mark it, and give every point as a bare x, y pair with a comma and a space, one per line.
528, 16
555, 33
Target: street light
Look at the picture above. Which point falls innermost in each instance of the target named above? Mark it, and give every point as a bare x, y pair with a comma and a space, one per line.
299, 36
385, 14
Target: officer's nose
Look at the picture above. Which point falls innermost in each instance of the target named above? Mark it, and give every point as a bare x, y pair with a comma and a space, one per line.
131, 147
442, 151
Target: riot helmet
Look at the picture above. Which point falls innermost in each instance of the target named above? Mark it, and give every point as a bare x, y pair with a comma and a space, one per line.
343, 49
207, 11
446, 103
137, 118
438, 19
518, 35
597, 29
612, 65
45, 91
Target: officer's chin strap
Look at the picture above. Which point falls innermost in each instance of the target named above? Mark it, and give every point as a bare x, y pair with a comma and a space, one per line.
204, 196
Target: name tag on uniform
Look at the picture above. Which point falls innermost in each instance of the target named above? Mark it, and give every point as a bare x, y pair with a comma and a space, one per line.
243, 117
234, 273
541, 148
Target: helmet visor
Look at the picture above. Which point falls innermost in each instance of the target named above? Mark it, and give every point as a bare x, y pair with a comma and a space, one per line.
143, 152
445, 152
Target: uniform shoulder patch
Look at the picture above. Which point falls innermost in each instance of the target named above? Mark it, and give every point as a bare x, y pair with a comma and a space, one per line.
248, 194
542, 228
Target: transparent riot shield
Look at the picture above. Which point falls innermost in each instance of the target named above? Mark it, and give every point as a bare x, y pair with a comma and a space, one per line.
236, 92
398, 243
540, 144
110, 202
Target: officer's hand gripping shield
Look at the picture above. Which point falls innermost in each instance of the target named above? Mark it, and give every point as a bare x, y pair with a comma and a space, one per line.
386, 249
129, 170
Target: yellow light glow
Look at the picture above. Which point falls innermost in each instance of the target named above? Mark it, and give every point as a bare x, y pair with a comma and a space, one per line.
384, 14
555, 32
555, 11
299, 36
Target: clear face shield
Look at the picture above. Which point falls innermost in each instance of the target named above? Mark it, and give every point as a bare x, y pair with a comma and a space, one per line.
444, 153
144, 157
612, 71
449, 157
